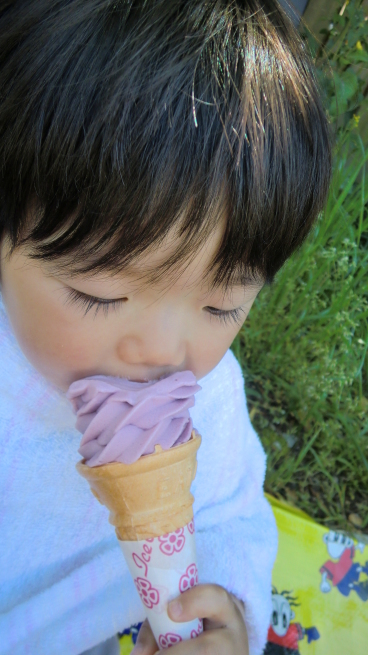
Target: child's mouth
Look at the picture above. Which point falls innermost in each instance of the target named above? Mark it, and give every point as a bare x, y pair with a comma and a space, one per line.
154, 379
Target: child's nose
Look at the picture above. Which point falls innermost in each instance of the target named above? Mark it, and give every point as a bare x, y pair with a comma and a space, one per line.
152, 350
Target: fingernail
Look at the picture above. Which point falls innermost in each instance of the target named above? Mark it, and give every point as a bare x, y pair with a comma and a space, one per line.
175, 608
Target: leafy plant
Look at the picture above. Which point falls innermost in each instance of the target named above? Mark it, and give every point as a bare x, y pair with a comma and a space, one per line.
341, 57
304, 347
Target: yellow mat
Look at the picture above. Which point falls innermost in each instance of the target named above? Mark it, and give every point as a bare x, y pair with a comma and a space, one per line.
320, 590
320, 595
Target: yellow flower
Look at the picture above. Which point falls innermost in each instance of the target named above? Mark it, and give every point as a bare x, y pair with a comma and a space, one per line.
356, 119
359, 46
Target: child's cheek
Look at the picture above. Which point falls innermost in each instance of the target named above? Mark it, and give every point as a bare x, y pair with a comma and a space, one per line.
213, 348
51, 343
54, 337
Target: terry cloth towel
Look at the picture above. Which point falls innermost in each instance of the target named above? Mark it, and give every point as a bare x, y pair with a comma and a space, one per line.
65, 586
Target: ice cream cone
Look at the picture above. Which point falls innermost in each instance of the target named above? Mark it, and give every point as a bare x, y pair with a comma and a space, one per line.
151, 508
147, 494
150, 497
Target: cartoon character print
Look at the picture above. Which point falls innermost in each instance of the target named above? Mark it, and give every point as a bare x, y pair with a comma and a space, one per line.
132, 631
283, 635
344, 573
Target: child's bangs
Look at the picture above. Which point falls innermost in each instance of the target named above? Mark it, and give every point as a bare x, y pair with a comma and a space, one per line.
86, 242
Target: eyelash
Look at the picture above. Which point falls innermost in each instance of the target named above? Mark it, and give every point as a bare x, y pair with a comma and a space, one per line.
229, 316
88, 302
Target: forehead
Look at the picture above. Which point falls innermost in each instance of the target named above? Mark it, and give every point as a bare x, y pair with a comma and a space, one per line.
191, 271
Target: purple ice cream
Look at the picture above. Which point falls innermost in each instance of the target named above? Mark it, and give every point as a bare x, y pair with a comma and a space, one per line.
122, 420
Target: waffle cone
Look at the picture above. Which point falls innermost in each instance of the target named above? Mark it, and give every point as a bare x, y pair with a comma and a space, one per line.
150, 497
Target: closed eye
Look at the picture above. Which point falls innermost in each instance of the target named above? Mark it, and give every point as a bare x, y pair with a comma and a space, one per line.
228, 316
88, 302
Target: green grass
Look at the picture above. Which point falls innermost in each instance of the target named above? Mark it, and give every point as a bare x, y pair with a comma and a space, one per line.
303, 350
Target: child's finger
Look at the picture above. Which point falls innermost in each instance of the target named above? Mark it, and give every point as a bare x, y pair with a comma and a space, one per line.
146, 643
208, 601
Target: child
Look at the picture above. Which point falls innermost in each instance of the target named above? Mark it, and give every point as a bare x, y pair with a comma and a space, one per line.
159, 163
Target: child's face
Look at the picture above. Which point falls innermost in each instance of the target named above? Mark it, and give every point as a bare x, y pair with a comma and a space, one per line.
153, 332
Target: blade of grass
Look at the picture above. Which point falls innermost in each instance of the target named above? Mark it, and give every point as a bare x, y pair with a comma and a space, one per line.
355, 440
303, 453
348, 187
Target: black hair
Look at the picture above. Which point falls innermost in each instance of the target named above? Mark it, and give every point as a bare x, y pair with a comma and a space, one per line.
121, 120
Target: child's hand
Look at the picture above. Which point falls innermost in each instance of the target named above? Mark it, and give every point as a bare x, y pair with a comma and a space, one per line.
224, 627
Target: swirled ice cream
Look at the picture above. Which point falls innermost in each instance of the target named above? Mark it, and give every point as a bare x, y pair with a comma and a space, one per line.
122, 420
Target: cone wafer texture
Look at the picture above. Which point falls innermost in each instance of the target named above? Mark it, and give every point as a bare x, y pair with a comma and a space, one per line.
150, 497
